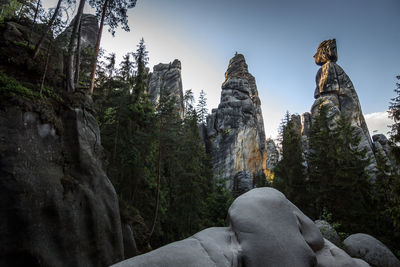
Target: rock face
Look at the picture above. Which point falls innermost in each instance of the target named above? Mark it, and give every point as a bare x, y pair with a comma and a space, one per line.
336, 92
371, 250
89, 30
130, 249
265, 229
328, 232
166, 81
235, 130
272, 158
57, 206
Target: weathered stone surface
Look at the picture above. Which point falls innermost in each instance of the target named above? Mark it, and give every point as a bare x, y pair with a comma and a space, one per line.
89, 31
336, 92
326, 52
130, 249
235, 130
57, 206
332, 256
328, 232
371, 250
265, 230
382, 146
271, 159
166, 81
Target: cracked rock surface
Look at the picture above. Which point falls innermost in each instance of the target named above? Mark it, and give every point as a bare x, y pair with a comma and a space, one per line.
235, 134
57, 206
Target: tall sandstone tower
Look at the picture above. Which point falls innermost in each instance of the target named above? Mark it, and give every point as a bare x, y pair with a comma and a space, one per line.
235, 130
335, 91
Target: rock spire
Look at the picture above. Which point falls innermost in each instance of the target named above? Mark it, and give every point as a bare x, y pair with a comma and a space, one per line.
235, 130
166, 80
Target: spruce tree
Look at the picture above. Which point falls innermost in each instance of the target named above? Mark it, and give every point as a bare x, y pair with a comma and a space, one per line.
339, 182
290, 175
394, 113
202, 107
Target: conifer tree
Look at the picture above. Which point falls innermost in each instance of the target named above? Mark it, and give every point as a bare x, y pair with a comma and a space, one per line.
394, 113
339, 182
290, 174
202, 107
113, 13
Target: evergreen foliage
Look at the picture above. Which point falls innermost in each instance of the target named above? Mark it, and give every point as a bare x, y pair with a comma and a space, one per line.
338, 180
202, 107
137, 139
394, 113
387, 203
290, 173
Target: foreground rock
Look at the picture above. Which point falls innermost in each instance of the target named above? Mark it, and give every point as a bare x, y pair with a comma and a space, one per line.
328, 232
57, 206
235, 130
371, 250
166, 81
265, 229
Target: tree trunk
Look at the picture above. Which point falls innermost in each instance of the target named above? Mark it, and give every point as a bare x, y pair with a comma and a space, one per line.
158, 183
96, 50
72, 48
48, 28
78, 57
46, 65
34, 21
115, 141
36, 11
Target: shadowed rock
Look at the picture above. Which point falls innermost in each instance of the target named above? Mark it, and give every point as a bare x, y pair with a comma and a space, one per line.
371, 250
57, 206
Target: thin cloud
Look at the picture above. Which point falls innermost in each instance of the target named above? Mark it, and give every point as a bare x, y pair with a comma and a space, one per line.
378, 122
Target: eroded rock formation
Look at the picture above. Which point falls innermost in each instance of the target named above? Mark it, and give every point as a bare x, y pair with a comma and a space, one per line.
57, 206
272, 158
89, 31
235, 130
336, 92
166, 81
265, 229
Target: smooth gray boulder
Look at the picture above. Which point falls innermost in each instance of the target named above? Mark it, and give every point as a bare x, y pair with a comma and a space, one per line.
371, 250
265, 229
332, 256
272, 231
328, 232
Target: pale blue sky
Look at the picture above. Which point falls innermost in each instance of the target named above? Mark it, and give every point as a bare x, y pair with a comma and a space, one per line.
278, 39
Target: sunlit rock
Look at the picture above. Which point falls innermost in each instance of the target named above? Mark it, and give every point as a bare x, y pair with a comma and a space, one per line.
235, 130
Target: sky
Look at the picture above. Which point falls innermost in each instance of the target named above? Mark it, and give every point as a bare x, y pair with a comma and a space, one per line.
278, 39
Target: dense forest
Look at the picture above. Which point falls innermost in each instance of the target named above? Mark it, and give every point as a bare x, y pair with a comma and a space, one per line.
156, 158
332, 182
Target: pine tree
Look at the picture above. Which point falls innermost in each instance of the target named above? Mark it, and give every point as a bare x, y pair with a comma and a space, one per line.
339, 182
142, 59
394, 113
202, 107
113, 13
290, 176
